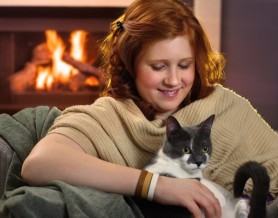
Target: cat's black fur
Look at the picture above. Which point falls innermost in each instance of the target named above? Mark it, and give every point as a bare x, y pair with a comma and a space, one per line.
261, 181
185, 151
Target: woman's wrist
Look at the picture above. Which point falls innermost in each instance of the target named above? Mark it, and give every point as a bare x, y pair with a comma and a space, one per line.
146, 185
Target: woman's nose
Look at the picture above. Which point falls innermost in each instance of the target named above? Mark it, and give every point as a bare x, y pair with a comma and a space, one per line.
172, 78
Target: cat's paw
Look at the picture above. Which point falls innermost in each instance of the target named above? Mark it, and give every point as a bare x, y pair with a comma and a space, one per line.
242, 209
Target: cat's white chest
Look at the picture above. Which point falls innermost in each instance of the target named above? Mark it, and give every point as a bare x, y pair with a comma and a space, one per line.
166, 165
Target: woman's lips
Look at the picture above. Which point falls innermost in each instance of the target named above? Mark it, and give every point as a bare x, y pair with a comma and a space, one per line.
169, 92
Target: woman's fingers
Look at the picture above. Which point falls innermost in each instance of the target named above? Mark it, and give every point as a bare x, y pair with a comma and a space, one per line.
188, 193
212, 205
207, 201
193, 208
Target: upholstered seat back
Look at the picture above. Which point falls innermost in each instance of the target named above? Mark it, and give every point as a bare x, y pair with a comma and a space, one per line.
5, 160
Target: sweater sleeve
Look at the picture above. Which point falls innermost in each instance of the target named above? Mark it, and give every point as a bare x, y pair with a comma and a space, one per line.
80, 123
111, 130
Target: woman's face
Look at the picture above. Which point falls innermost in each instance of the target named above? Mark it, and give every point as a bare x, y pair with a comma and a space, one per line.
165, 74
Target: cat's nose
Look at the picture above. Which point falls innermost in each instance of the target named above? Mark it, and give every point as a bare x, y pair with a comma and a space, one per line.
198, 163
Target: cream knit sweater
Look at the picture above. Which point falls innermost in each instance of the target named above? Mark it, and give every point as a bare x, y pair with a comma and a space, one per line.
118, 132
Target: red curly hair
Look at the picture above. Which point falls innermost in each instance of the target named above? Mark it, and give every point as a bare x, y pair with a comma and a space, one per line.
147, 21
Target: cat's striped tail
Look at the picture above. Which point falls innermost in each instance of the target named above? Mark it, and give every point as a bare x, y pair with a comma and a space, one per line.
261, 183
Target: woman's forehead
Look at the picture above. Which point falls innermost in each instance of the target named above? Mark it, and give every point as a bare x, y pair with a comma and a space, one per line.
166, 48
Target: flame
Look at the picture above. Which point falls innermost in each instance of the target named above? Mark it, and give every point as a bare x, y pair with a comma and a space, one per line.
44, 79
60, 72
78, 42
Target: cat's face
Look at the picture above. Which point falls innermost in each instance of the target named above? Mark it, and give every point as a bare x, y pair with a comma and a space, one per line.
190, 146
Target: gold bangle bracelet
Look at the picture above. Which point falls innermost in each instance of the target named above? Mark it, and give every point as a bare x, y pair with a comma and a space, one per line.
146, 185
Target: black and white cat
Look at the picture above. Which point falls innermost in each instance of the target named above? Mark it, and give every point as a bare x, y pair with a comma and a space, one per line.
186, 151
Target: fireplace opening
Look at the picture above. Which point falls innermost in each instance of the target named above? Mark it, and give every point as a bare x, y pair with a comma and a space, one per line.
30, 72
56, 64
55, 76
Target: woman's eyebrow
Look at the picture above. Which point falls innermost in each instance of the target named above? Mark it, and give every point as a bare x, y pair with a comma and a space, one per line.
183, 59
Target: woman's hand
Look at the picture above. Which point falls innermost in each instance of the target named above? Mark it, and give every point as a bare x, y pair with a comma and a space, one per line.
189, 193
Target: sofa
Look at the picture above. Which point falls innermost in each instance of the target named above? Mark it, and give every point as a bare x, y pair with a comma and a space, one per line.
5, 160
23, 130
18, 135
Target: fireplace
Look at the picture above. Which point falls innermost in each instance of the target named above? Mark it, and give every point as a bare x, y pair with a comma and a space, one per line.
22, 29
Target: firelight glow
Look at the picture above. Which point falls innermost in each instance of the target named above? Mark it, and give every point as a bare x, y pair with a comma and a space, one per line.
60, 72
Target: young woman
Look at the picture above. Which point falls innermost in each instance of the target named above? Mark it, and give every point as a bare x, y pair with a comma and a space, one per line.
158, 62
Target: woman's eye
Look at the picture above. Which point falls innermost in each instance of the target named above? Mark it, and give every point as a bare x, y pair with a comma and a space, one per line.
187, 150
184, 66
158, 68
205, 149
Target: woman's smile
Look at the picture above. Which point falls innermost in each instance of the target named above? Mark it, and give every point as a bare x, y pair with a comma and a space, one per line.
169, 93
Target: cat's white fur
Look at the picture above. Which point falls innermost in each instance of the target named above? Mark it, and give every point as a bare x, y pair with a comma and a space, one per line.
231, 207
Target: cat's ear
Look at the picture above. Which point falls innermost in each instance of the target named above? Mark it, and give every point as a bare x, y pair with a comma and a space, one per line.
207, 124
172, 125
210, 119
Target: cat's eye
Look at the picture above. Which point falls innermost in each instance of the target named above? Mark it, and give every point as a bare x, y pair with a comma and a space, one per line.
205, 149
187, 150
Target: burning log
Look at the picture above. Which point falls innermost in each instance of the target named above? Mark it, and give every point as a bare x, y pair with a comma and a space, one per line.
41, 55
84, 68
89, 75
26, 78
81, 82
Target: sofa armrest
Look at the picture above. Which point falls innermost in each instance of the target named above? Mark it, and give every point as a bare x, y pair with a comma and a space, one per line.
5, 159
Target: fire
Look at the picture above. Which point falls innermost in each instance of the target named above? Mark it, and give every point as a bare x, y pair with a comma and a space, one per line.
78, 41
60, 72
44, 79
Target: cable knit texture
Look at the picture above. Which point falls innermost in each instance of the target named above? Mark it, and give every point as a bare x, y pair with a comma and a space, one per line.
118, 132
